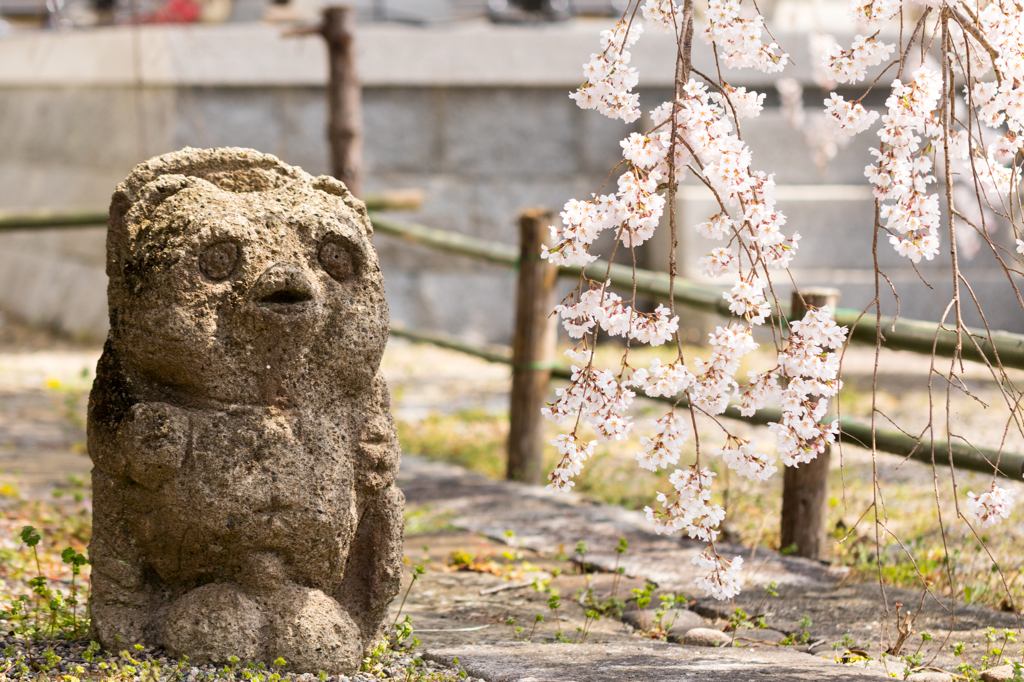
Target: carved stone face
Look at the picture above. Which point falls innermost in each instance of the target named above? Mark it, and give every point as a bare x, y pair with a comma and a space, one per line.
260, 298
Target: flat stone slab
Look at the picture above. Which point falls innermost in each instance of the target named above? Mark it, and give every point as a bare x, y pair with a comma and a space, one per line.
643, 662
548, 521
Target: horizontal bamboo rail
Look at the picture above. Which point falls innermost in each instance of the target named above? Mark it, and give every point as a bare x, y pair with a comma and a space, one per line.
962, 455
490, 353
392, 200
45, 218
917, 336
449, 242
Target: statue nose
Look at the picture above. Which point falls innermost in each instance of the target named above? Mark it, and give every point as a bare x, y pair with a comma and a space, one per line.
284, 289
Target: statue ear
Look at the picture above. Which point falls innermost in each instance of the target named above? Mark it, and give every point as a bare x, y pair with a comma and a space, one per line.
154, 193
127, 212
325, 183
149, 196
335, 187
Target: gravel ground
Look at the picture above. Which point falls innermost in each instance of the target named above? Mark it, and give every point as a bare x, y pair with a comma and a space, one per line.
72, 661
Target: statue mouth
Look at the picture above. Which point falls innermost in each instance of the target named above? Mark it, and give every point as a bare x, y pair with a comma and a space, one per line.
284, 290
286, 297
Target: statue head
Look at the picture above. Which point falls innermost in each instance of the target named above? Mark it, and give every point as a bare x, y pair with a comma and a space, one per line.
237, 279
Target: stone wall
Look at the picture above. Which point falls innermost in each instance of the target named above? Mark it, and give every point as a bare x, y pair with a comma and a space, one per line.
476, 115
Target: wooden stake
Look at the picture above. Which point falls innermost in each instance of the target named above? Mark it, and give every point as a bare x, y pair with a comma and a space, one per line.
805, 488
344, 99
533, 350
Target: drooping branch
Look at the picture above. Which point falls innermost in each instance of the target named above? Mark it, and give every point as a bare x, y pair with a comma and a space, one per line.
686, 60
965, 24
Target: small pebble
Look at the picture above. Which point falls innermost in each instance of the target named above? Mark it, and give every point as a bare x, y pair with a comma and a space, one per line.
706, 637
930, 676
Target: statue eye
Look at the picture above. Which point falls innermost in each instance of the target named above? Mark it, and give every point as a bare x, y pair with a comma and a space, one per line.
336, 259
218, 260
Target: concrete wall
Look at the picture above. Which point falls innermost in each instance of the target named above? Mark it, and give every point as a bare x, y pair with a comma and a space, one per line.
476, 115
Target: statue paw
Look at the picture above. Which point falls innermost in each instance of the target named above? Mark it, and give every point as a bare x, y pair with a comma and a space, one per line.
214, 622
312, 632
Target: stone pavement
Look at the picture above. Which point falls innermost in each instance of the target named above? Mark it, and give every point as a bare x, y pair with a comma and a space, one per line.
463, 613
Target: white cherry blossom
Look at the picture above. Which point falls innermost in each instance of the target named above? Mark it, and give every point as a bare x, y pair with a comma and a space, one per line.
662, 450
990, 508
723, 582
661, 15
720, 261
847, 118
851, 66
610, 80
747, 299
741, 457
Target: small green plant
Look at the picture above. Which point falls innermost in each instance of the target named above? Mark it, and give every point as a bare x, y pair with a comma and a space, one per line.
417, 571
738, 619
76, 561
38, 584
971, 670
662, 624
916, 659
554, 603
620, 552
585, 595
537, 620
517, 631
659, 626
590, 616
642, 597
399, 638
612, 605
581, 549
50, 612
965, 667
846, 643
803, 636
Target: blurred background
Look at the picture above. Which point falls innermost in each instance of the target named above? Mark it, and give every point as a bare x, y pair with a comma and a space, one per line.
464, 99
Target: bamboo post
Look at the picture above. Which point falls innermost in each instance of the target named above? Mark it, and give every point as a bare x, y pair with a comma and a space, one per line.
533, 350
805, 487
344, 99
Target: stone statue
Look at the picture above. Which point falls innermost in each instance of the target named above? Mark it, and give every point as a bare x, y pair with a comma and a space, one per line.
244, 454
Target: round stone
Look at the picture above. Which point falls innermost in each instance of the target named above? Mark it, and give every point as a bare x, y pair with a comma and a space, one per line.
706, 637
1003, 673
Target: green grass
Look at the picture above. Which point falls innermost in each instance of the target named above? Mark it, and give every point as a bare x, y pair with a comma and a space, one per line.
473, 439
477, 440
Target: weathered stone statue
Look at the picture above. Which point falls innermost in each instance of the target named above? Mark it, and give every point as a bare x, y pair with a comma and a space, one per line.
245, 457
